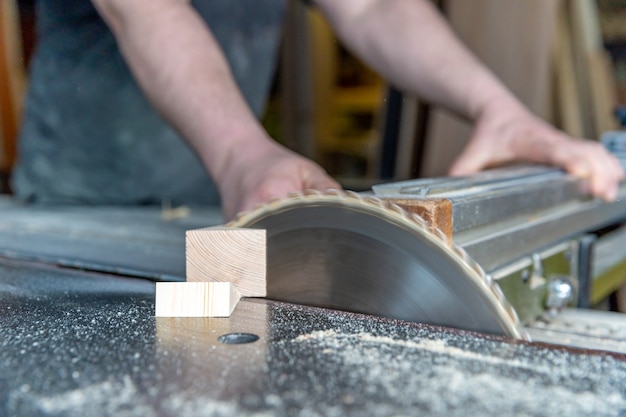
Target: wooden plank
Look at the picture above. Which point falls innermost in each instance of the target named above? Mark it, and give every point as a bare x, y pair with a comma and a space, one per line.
12, 81
195, 299
582, 42
567, 101
603, 93
225, 254
297, 91
597, 87
436, 212
512, 38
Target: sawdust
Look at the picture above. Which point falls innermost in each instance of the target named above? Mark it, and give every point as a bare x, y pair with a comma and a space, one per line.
181, 406
122, 398
75, 354
119, 398
439, 346
432, 376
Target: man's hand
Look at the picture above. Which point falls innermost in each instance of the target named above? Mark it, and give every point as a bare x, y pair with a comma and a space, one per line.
409, 42
253, 178
507, 132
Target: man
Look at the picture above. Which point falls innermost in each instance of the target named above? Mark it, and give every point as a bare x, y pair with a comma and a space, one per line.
175, 57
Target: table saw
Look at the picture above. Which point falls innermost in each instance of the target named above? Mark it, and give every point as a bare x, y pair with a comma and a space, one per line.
371, 310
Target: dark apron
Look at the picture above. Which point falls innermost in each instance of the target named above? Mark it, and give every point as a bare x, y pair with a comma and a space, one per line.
90, 137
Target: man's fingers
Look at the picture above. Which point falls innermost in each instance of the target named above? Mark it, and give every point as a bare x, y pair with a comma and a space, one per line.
286, 174
590, 160
472, 160
582, 158
314, 177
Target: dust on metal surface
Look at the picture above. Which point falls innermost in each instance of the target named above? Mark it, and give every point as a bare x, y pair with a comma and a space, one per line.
76, 344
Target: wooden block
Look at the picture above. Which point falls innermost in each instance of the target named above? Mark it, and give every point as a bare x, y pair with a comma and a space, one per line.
195, 299
225, 254
436, 212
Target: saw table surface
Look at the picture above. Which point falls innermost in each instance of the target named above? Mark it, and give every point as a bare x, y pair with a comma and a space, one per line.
78, 337
78, 343
137, 241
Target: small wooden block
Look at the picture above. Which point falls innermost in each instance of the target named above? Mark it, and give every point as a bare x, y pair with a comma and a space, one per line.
225, 254
436, 212
195, 299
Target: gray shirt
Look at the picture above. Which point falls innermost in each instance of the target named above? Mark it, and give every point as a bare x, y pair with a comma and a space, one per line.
90, 137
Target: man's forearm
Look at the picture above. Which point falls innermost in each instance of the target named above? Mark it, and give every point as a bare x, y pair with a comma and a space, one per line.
181, 68
410, 44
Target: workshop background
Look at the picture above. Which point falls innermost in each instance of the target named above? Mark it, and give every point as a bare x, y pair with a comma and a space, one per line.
563, 58
569, 68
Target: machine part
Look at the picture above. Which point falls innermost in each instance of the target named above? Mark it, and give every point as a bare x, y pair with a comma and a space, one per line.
581, 328
585, 267
620, 114
502, 215
615, 142
609, 264
344, 251
492, 195
525, 281
561, 292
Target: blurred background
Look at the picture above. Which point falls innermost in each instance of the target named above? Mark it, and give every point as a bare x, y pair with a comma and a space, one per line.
566, 60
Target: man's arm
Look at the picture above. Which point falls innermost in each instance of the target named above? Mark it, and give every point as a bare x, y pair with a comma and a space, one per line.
181, 68
411, 45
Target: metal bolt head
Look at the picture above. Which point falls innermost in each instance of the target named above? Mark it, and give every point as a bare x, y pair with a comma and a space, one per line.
561, 291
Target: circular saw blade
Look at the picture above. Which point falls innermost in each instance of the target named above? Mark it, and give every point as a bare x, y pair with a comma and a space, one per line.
344, 251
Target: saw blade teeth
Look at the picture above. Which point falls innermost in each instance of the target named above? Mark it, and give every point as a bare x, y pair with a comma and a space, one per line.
468, 260
399, 210
335, 192
521, 332
237, 218
441, 235
271, 201
475, 266
460, 251
488, 279
419, 220
312, 192
512, 313
376, 201
498, 292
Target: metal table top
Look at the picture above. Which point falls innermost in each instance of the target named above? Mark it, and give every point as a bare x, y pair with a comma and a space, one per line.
77, 343
138, 241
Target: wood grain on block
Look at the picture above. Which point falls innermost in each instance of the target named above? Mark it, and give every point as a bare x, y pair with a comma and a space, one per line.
436, 212
195, 299
224, 254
